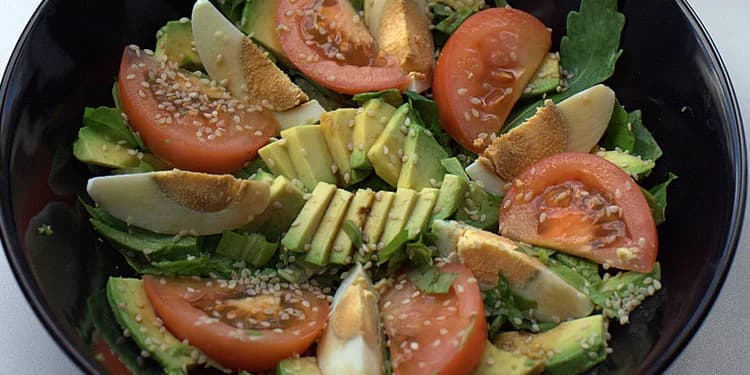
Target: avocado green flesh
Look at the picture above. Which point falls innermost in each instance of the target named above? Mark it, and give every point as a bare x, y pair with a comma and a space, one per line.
495, 361
452, 191
92, 147
276, 156
422, 213
298, 366
545, 79
572, 347
303, 228
403, 204
338, 129
356, 213
259, 21
110, 331
368, 125
286, 202
133, 311
422, 167
387, 152
262, 176
376, 221
320, 248
175, 41
309, 154
631, 164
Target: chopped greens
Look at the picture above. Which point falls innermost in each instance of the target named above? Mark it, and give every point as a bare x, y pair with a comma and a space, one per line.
252, 248
390, 96
656, 197
354, 233
429, 279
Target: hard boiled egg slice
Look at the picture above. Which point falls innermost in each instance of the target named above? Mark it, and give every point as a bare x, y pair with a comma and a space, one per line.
587, 115
353, 340
179, 202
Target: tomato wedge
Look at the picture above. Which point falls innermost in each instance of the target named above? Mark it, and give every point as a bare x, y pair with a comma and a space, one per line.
251, 326
435, 333
108, 358
328, 42
583, 205
483, 69
187, 121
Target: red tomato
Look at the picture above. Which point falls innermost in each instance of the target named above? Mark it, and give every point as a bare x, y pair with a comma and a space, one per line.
328, 42
107, 358
435, 333
583, 205
187, 121
237, 329
483, 69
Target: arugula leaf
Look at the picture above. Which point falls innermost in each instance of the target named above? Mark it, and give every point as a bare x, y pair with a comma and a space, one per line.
108, 122
429, 279
354, 233
252, 248
645, 145
390, 96
392, 248
618, 134
656, 198
588, 52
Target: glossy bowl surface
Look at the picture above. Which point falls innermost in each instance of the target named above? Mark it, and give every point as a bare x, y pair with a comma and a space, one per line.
68, 57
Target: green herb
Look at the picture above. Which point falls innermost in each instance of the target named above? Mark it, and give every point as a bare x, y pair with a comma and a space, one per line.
588, 52
204, 265
503, 306
624, 292
108, 122
232, 9
645, 145
584, 267
618, 134
142, 167
328, 99
449, 19
116, 96
501, 3
453, 166
45, 229
430, 280
354, 233
251, 248
479, 208
419, 253
391, 248
390, 96
656, 197
429, 117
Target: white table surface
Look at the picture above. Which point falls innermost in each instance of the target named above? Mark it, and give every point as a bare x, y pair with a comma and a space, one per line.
720, 347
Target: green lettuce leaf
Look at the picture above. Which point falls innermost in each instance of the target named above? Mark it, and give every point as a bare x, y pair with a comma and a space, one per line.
656, 197
108, 122
645, 145
252, 248
390, 96
429, 279
588, 52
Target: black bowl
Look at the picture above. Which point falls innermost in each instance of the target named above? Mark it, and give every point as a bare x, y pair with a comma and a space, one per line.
68, 57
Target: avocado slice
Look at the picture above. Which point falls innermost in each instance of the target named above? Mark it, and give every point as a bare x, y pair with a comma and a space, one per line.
422, 167
262, 176
134, 312
368, 124
320, 248
175, 41
420, 217
93, 147
259, 21
387, 152
452, 192
571, 347
310, 156
375, 223
298, 366
399, 214
286, 202
357, 214
479, 208
497, 361
546, 78
306, 224
338, 129
276, 157
632, 164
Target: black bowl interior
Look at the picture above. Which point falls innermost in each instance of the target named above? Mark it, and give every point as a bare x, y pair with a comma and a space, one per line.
68, 57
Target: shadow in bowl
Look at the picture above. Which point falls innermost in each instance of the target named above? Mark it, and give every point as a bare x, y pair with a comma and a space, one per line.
68, 57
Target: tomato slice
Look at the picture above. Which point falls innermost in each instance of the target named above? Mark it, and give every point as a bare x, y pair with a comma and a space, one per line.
108, 358
186, 120
326, 40
250, 326
483, 69
583, 205
435, 333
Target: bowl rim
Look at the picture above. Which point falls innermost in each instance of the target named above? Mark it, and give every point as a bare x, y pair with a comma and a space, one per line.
33, 294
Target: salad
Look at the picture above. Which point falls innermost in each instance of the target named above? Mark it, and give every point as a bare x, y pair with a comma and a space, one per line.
370, 187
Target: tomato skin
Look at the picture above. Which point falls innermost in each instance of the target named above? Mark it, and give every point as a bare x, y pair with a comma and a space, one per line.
456, 352
109, 359
498, 48
178, 143
341, 76
262, 351
522, 206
